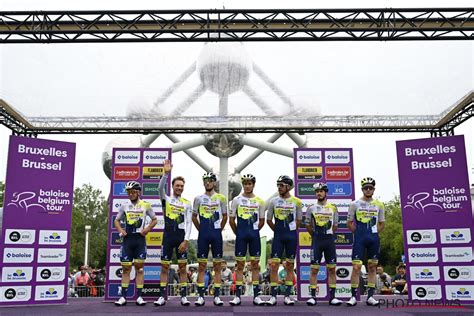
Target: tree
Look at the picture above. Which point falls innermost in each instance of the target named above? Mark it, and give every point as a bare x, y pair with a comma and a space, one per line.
2, 191
90, 208
391, 238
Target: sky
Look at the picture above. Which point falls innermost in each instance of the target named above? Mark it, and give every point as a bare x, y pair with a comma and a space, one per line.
380, 78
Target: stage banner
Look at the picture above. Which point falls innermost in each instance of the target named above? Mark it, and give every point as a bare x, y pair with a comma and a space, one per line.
144, 165
437, 218
335, 167
37, 212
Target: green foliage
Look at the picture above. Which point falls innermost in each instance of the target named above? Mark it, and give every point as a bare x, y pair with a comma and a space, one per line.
90, 208
2, 191
391, 238
192, 253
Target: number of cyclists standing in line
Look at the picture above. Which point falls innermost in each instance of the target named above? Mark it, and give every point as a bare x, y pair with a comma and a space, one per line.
284, 215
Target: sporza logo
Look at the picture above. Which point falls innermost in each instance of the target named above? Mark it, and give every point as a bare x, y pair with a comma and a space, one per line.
455, 236
422, 254
308, 156
127, 157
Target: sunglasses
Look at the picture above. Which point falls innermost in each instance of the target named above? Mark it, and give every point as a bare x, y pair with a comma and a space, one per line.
368, 188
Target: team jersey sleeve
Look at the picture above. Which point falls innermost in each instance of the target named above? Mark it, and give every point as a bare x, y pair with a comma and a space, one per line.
336, 215
196, 204
352, 210
261, 208
223, 201
161, 186
121, 213
233, 208
381, 212
188, 220
270, 210
149, 211
309, 210
299, 209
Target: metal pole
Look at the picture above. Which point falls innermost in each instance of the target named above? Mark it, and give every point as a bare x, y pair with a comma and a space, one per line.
86, 247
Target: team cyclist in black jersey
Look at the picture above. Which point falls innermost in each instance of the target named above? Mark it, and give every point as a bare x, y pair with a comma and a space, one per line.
136, 215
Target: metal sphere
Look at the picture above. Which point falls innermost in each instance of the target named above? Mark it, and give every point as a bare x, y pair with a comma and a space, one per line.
223, 145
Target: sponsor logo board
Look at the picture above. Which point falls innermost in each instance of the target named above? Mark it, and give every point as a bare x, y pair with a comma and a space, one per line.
337, 189
115, 273
457, 254
460, 292
154, 238
321, 290
49, 255
153, 255
115, 290
18, 255
156, 157
421, 237
426, 273
127, 157
18, 293
343, 273
152, 173
339, 173
308, 157
52, 237
337, 156
455, 236
426, 292
152, 273
344, 255
126, 173
309, 173
19, 236
50, 274
49, 292
17, 274
422, 255
458, 273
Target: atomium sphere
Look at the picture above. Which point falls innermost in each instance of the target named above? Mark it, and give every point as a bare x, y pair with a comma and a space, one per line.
119, 142
223, 145
224, 68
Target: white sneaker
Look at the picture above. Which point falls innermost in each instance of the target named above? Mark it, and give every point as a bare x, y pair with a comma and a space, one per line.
272, 301
218, 301
335, 302
140, 301
160, 301
372, 301
288, 301
121, 301
235, 301
185, 301
258, 301
200, 301
311, 301
352, 301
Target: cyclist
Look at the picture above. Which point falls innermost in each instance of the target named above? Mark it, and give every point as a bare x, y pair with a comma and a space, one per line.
133, 251
178, 213
209, 217
249, 210
321, 223
288, 214
366, 219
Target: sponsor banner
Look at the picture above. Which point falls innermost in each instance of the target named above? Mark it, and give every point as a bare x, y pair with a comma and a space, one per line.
119, 189
426, 292
304, 239
116, 203
152, 173
160, 222
321, 290
115, 273
343, 290
49, 292
305, 190
463, 292
155, 157
52, 237
115, 239
126, 173
339, 173
17, 274
342, 222
343, 273
344, 255
150, 189
309, 173
341, 204
421, 237
416, 255
19, 236
18, 255
151, 290
305, 255
122, 157
50, 274
153, 255
305, 273
114, 255
154, 238
435, 193
37, 213
152, 273
424, 273
344, 239
155, 205
457, 254
337, 156
455, 235
114, 290
307, 203
308, 156
339, 189
18, 293
458, 273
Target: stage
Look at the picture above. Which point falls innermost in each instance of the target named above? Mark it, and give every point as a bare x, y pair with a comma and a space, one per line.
87, 306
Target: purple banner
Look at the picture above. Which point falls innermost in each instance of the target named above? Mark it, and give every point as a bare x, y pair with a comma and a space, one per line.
335, 167
437, 218
144, 165
36, 226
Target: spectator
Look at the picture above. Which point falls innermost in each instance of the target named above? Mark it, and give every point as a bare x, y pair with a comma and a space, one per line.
399, 281
81, 281
383, 282
172, 276
226, 278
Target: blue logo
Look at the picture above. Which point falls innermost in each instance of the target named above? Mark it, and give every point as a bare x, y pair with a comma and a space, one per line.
339, 188
116, 239
152, 273
305, 273
115, 290
119, 189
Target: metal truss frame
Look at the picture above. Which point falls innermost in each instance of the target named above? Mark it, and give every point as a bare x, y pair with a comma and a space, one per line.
224, 25
437, 125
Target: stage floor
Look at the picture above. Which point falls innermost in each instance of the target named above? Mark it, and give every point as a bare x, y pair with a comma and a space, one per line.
87, 306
